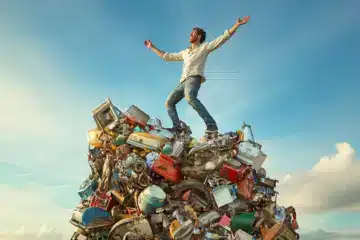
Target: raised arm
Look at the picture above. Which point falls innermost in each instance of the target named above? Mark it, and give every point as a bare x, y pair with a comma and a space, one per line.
217, 42
164, 55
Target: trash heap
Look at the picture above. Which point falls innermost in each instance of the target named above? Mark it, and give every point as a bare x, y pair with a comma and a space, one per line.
148, 182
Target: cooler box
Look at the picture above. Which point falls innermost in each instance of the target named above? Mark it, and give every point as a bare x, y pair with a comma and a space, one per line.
168, 168
146, 141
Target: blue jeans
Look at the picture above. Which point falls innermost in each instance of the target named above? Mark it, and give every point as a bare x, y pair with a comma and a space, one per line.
188, 89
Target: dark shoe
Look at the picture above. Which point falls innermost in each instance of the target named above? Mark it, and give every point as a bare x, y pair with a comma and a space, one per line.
211, 128
175, 129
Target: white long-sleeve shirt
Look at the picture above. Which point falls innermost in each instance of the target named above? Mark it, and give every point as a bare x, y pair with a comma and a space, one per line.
194, 58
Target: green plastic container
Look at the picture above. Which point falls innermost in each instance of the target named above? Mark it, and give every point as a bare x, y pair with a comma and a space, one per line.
243, 221
120, 140
137, 129
167, 149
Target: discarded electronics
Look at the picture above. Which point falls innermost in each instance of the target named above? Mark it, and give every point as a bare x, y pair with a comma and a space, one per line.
148, 182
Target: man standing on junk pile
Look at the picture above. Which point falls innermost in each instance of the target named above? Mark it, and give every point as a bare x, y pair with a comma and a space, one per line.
194, 58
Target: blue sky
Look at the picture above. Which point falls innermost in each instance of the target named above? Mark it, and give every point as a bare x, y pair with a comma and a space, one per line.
291, 72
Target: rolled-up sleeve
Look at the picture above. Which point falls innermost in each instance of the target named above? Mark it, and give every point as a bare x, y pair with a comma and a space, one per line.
171, 57
217, 42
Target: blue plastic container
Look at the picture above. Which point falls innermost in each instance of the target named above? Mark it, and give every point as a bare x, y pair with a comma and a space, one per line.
92, 214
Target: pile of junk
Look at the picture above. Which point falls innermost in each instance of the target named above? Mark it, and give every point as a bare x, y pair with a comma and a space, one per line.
148, 182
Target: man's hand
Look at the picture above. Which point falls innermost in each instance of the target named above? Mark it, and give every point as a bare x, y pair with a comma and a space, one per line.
148, 44
238, 23
243, 21
151, 46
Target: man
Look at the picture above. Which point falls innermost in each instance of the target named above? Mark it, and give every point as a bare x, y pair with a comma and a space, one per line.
192, 77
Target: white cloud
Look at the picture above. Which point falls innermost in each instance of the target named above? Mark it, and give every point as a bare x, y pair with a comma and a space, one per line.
33, 209
320, 234
287, 177
333, 183
20, 231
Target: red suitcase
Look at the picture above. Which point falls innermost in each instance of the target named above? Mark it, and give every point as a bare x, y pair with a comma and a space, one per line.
168, 168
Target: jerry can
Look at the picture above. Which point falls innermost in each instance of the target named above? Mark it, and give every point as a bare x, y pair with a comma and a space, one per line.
167, 167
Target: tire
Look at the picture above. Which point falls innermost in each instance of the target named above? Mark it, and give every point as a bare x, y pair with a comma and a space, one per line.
193, 185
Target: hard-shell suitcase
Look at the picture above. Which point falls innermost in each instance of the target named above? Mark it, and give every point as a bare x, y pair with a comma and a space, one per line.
146, 141
161, 132
154, 123
167, 167
137, 114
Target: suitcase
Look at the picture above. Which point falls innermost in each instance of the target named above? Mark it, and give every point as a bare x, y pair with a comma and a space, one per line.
106, 114
167, 167
146, 141
234, 171
137, 115
154, 123
161, 132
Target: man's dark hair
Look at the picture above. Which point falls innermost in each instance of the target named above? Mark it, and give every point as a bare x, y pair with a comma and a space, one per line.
201, 32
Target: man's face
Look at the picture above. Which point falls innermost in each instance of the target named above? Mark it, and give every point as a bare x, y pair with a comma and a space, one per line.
194, 37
